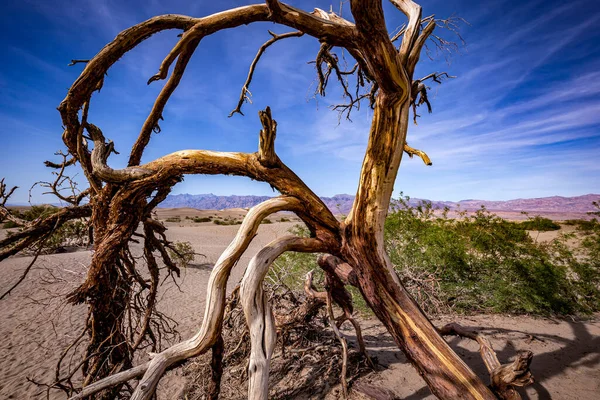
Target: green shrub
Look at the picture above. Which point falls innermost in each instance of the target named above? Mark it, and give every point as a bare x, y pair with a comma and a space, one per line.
474, 263
202, 219
173, 219
226, 222
266, 221
584, 225
284, 220
289, 271
181, 253
72, 233
483, 263
541, 224
10, 224
41, 211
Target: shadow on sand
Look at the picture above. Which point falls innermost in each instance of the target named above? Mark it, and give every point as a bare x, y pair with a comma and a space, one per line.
581, 351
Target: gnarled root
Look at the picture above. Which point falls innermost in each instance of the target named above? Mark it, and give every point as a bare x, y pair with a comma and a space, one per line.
339, 274
344, 344
307, 359
213, 316
503, 378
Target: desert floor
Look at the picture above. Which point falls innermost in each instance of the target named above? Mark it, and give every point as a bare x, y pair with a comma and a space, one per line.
35, 324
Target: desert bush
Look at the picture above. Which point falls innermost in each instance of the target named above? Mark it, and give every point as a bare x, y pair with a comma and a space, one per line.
541, 224
202, 219
290, 269
584, 225
226, 222
475, 263
284, 220
182, 253
39, 211
173, 219
10, 224
33, 213
71, 234
266, 221
482, 263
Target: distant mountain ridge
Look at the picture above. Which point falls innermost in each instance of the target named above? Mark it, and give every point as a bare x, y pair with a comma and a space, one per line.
342, 203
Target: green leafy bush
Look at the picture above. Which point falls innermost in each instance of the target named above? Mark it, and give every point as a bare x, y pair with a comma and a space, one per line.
474, 263
181, 253
584, 225
226, 222
541, 224
289, 271
10, 224
73, 233
202, 219
41, 211
483, 263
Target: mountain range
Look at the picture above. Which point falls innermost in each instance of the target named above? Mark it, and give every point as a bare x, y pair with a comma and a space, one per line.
342, 203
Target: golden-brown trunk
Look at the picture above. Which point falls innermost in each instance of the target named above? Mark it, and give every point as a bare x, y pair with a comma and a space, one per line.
446, 374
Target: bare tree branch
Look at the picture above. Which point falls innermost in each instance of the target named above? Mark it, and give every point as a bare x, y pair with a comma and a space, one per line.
100, 154
38, 229
258, 312
76, 61
215, 303
151, 123
503, 377
245, 94
412, 152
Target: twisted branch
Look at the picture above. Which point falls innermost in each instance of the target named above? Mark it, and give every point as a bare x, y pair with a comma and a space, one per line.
258, 312
503, 377
412, 152
213, 315
245, 94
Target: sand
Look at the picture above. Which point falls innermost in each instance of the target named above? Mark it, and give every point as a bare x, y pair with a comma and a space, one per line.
35, 324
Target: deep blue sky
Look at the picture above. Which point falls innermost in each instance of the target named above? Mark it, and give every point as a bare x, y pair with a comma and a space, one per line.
522, 118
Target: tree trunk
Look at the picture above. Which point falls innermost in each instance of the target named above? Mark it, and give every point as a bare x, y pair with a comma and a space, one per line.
107, 288
445, 373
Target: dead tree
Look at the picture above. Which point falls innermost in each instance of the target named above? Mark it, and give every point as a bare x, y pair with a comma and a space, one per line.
122, 199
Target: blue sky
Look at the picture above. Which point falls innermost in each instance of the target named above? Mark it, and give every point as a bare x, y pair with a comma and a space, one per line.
522, 118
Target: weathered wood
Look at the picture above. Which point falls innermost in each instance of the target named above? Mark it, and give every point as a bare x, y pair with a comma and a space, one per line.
213, 315
216, 369
258, 312
266, 140
445, 373
503, 378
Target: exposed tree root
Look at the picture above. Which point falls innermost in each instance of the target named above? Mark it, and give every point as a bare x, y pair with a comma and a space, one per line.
503, 378
258, 313
213, 317
307, 359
